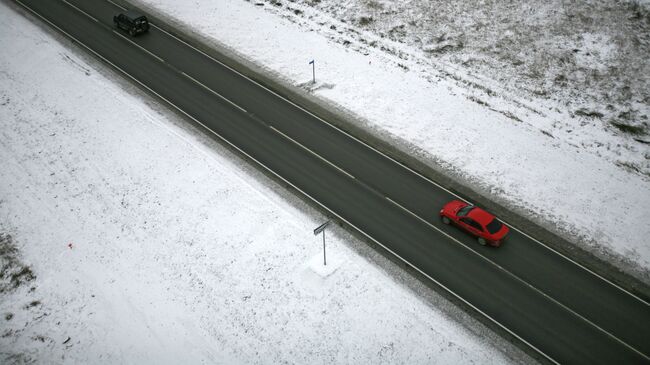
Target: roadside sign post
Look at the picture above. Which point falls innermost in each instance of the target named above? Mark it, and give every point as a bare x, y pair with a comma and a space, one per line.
313, 71
318, 230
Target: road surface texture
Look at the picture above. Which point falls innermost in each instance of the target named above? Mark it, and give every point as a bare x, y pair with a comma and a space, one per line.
557, 308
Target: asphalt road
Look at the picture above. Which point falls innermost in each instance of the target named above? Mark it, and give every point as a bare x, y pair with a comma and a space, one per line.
558, 308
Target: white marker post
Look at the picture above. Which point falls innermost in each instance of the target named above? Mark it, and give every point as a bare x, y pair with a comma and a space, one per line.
313, 70
318, 230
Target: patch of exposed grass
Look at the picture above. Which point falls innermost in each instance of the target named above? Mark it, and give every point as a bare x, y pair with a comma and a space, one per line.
511, 116
478, 101
7, 248
630, 129
403, 66
33, 303
374, 5
444, 45
547, 133
13, 273
631, 167
365, 20
24, 275
560, 79
539, 92
589, 113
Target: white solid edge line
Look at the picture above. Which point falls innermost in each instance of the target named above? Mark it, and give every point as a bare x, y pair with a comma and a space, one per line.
118, 5
292, 185
392, 159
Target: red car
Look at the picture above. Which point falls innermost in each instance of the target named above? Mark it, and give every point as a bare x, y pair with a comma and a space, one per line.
476, 221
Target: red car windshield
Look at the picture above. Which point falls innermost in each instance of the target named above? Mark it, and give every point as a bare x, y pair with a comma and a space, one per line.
464, 211
494, 226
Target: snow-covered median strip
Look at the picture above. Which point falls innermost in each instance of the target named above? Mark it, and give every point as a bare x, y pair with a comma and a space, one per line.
577, 192
146, 243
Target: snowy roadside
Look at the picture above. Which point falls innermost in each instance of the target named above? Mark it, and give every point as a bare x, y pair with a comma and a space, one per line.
131, 237
569, 174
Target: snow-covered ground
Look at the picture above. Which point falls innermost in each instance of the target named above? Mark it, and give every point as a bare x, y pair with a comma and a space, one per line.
555, 129
127, 236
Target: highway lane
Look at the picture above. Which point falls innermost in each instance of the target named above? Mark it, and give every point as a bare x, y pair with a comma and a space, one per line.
504, 294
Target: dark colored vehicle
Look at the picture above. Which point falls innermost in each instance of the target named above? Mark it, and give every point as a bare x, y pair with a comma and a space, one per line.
476, 221
132, 22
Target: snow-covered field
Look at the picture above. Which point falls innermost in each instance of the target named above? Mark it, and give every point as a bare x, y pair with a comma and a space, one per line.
541, 106
127, 236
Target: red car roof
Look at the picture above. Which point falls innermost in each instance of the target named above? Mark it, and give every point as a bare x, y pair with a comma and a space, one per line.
480, 216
